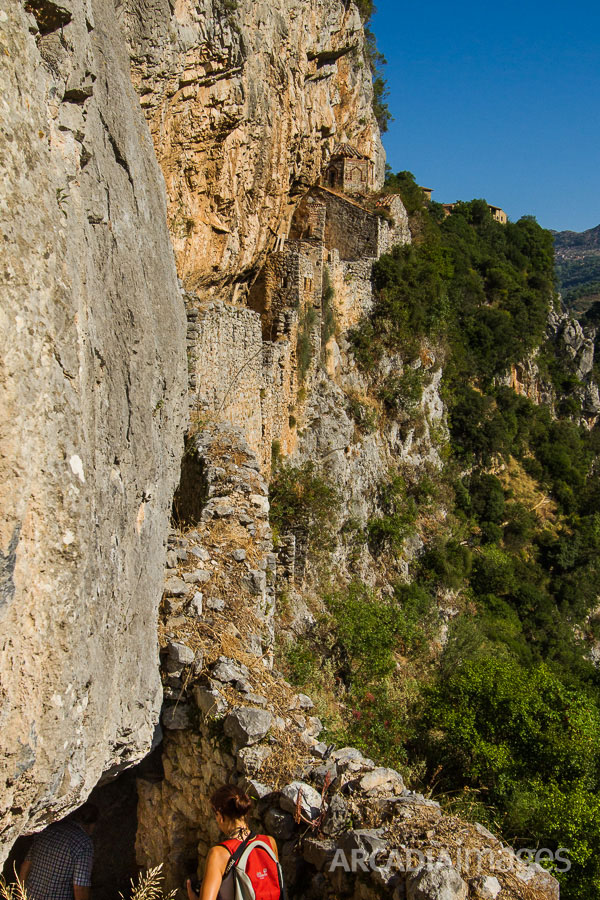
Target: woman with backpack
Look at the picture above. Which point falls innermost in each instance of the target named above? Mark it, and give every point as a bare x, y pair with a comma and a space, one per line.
244, 866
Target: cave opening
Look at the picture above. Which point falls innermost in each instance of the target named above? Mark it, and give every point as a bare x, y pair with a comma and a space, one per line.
114, 836
193, 490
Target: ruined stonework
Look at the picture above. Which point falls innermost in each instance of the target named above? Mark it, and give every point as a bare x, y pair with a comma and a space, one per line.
92, 401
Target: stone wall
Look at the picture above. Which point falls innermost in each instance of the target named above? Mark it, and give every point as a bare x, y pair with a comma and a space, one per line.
238, 377
92, 405
351, 229
352, 287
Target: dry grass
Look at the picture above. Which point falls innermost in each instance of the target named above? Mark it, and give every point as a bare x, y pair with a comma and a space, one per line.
12, 890
149, 886
465, 847
525, 490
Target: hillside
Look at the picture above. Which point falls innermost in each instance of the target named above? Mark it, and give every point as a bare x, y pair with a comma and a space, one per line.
578, 268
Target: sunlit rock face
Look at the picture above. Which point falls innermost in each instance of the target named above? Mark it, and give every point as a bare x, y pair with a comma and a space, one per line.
245, 102
92, 406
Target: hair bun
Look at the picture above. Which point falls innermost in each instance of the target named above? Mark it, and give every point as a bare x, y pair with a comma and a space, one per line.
231, 801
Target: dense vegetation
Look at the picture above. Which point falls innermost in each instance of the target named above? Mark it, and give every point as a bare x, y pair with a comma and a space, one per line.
506, 717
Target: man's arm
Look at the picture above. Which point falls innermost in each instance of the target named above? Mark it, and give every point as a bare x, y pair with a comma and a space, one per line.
24, 870
81, 893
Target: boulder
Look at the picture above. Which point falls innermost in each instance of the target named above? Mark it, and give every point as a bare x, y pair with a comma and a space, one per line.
250, 759
246, 725
209, 701
310, 803
485, 887
279, 823
175, 587
382, 779
180, 654
435, 882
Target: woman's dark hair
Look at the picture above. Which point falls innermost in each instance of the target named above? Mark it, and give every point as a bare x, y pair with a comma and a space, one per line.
231, 801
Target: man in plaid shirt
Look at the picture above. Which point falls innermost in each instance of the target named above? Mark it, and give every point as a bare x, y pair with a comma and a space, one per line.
58, 865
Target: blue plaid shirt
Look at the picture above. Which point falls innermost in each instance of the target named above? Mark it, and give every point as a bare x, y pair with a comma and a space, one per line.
61, 856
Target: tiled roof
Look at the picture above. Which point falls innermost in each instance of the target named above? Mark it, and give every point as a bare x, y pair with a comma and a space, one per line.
347, 151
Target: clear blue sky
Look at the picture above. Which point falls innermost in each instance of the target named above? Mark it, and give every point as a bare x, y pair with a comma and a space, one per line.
497, 100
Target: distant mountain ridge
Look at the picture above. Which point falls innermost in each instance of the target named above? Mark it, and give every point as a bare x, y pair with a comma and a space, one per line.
577, 257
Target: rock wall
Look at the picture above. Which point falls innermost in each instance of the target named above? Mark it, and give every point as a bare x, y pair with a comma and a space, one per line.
92, 384
245, 102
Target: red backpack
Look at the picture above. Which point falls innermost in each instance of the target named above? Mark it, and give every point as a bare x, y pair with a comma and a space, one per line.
256, 870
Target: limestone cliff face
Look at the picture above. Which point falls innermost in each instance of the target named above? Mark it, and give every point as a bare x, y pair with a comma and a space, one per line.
92, 382
245, 101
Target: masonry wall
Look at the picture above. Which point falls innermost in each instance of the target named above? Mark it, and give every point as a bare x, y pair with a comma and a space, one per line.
238, 376
353, 292
395, 232
349, 228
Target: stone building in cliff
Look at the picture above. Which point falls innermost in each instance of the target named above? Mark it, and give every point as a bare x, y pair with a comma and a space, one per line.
320, 270
349, 171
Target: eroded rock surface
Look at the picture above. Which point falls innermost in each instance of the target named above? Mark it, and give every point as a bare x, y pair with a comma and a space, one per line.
245, 102
92, 381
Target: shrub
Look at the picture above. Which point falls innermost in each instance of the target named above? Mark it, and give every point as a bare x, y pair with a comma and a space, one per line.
303, 501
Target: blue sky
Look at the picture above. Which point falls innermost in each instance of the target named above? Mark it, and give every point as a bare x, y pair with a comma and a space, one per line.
497, 100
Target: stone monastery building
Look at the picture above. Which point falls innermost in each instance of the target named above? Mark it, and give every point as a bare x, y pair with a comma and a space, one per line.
337, 231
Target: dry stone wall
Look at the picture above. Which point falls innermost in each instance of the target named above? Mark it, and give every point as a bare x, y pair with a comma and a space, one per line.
92, 404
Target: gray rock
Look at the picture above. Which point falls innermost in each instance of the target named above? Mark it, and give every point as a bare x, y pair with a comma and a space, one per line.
349, 759
209, 701
255, 789
253, 645
198, 576
369, 840
318, 852
257, 698
485, 887
180, 653
382, 779
310, 802
171, 559
251, 759
176, 717
239, 555
227, 671
246, 725
336, 817
320, 749
435, 882
200, 553
305, 702
195, 606
255, 582
175, 587
314, 726
280, 824
216, 604
223, 512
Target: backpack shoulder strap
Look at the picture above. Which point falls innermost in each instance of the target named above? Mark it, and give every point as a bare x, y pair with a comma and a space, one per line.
235, 856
